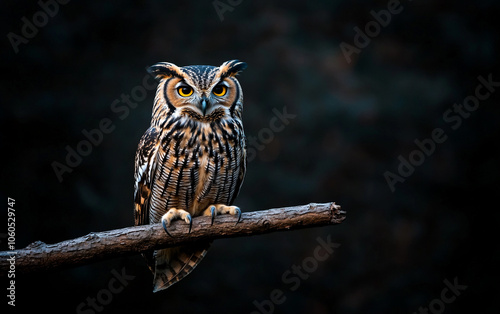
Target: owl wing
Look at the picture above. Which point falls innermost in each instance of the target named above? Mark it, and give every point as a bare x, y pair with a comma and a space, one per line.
241, 174
145, 168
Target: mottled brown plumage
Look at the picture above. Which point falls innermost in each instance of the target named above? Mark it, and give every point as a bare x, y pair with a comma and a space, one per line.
192, 159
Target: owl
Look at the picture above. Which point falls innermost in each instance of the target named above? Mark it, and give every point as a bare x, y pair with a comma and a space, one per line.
192, 159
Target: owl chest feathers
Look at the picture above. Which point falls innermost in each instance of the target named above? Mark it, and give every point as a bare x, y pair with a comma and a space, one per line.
198, 164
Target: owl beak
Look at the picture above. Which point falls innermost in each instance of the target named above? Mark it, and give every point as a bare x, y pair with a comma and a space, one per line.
204, 104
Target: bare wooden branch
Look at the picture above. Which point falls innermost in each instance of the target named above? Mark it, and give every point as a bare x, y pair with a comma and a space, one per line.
98, 246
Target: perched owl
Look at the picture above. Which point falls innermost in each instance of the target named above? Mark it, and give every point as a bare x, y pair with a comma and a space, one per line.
192, 159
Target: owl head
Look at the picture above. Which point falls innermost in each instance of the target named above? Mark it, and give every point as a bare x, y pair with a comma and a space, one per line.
199, 92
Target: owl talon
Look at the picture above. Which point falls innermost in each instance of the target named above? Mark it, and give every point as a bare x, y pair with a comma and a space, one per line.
213, 214
190, 223
164, 223
214, 210
238, 211
174, 213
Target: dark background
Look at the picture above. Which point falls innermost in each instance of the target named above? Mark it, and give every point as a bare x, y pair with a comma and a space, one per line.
352, 122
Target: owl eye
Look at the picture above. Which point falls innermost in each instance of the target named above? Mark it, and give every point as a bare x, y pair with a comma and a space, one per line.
185, 91
219, 90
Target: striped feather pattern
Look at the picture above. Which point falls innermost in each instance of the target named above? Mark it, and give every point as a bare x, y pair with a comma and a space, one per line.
188, 160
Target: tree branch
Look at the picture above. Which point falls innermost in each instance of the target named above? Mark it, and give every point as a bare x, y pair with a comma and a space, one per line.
95, 247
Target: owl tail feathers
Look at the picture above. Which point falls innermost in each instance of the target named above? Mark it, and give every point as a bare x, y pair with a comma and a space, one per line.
173, 264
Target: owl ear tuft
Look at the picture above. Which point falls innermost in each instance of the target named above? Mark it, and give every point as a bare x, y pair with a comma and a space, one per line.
231, 68
165, 70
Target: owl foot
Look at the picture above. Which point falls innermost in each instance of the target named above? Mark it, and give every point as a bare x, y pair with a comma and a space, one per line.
173, 214
217, 209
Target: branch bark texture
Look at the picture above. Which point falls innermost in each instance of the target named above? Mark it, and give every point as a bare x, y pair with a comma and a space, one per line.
94, 247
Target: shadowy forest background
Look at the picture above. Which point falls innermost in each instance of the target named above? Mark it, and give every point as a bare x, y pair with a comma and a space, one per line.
352, 122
